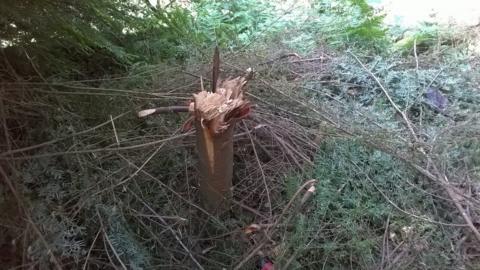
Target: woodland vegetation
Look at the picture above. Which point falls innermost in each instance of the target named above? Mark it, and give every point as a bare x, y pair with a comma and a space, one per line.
354, 144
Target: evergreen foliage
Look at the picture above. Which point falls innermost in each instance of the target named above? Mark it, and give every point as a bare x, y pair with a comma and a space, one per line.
347, 223
59, 34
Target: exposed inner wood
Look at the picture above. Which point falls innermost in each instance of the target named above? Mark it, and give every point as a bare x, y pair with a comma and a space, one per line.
215, 168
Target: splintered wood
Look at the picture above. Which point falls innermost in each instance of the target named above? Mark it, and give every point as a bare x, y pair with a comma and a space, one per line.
215, 116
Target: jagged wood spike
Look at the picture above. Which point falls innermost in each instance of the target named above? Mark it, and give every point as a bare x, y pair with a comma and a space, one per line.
215, 68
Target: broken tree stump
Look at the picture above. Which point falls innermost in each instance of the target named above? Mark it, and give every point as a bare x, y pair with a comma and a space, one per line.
215, 114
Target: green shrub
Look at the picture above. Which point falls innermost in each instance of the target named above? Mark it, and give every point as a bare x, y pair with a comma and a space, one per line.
349, 23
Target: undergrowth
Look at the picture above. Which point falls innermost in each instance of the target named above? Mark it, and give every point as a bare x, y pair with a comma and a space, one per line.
356, 207
102, 189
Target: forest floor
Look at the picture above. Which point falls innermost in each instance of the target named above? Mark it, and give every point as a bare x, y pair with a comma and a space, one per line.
389, 146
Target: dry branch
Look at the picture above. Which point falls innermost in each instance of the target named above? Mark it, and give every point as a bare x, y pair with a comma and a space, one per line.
387, 95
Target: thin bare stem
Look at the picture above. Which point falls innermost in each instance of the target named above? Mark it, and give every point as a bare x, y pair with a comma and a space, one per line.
114, 251
309, 183
171, 190
45, 243
138, 169
399, 208
267, 190
90, 249
114, 131
385, 243
28, 148
98, 150
170, 229
446, 185
415, 54
249, 256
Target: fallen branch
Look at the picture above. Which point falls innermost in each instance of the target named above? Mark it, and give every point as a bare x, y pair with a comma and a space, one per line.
267, 190
99, 150
394, 105
416, 55
32, 147
252, 253
451, 193
308, 60
308, 185
164, 223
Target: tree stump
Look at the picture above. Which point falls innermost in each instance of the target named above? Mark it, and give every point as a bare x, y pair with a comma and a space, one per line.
215, 115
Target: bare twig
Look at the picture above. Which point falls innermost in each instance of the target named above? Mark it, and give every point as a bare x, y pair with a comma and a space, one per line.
170, 229
443, 181
137, 170
4, 120
167, 187
267, 190
250, 255
114, 131
415, 54
105, 236
308, 60
387, 95
385, 243
28, 148
98, 150
311, 107
396, 259
169, 109
90, 249
434, 78
45, 243
76, 93
399, 208
288, 207
248, 208
215, 68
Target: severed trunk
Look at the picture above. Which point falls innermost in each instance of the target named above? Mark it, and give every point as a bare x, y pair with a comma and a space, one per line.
215, 116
